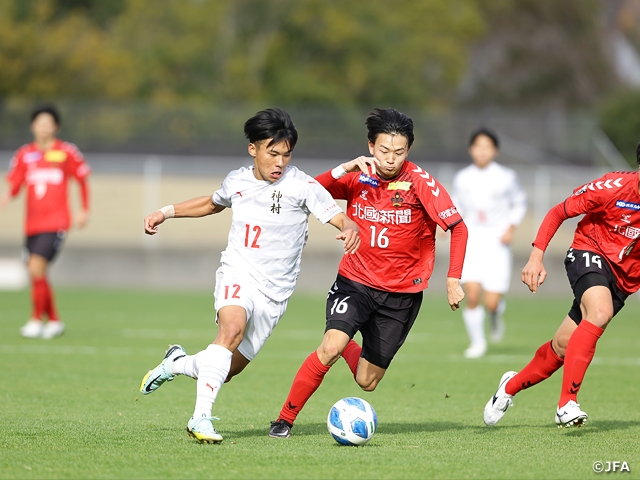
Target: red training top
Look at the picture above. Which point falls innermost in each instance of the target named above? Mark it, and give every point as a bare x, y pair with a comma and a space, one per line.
397, 220
610, 227
46, 175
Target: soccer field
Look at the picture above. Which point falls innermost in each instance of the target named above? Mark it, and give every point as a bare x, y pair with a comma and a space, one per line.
71, 406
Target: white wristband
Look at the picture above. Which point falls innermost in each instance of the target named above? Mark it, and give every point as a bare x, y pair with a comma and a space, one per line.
168, 211
338, 172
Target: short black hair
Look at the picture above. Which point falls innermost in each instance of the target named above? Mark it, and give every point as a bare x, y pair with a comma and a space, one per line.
389, 121
487, 133
50, 109
272, 123
638, 154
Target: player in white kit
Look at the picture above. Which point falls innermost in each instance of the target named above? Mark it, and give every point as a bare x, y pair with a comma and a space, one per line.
271, 203
490, 199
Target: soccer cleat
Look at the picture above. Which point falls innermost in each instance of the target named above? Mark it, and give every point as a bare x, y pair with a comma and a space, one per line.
202, 430
497, 405
497, 330
52, 329
475, 350
32, 329
280, 429
570, 415
156, 377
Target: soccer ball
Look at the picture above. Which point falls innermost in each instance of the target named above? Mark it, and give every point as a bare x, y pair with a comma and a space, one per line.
352, 421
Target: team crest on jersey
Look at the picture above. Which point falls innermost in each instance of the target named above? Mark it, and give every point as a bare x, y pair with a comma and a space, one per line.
55, 156
399, 186
367, 180
628, 205
397, 200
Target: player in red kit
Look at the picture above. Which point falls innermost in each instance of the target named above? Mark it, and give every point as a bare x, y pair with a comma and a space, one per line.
602, 266
397, 206
44, 166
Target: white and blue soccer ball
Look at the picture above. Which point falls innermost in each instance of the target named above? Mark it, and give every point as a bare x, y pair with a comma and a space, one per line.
352, 421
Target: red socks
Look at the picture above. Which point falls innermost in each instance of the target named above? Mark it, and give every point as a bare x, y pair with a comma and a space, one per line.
42, 299
580, 351
305, 383
544, 363
351, 355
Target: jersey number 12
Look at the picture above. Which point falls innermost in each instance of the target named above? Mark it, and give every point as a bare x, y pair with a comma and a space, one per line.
256, 231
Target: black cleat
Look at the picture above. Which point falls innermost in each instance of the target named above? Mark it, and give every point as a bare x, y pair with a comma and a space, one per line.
280, 429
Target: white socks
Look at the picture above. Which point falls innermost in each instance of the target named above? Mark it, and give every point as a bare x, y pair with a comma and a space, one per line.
474, 322
187, 365
212, 367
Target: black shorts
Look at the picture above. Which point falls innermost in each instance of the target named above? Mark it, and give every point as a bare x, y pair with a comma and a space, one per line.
586, 269
46, 245
383, 318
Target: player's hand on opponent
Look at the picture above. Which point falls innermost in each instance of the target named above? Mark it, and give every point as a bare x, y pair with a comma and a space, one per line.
152, 221
361, 164
534, 273
455, 294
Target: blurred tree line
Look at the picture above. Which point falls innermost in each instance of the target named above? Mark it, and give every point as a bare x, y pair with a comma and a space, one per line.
423, 53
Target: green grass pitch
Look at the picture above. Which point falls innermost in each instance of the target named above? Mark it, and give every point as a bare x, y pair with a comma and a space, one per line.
70, 407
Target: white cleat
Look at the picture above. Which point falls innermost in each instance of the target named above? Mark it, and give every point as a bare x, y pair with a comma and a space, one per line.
570, 415
52, 329
32, 329
202, 430
475, 350
497, 405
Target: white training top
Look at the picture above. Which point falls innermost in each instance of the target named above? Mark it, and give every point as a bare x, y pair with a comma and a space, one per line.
489, 199
269, 227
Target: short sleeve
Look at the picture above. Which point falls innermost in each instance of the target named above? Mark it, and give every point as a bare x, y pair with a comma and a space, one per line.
319, 202
78, 166
222, 196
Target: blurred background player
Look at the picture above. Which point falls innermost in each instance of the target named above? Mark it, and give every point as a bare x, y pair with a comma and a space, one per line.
603, 266
271, 204
378, 291
492, 203
45, 166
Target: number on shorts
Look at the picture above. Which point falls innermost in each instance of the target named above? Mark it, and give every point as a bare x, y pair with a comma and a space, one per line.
594, 259
256, 230
340, 306
235, 291
382, 240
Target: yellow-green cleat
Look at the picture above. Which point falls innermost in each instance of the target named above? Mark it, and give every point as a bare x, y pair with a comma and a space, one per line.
156, 377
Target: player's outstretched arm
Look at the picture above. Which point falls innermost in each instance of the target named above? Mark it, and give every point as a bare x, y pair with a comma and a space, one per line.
349, 232
194, 208
534, 273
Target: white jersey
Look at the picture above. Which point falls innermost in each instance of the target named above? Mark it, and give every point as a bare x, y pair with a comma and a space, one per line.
489, 199
269, 227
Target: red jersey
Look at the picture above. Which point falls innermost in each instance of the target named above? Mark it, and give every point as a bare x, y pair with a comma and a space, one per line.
45, 174
397, 220
610, 227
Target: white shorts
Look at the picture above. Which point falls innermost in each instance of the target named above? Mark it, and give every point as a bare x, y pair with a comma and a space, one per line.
487, 263
263, 313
